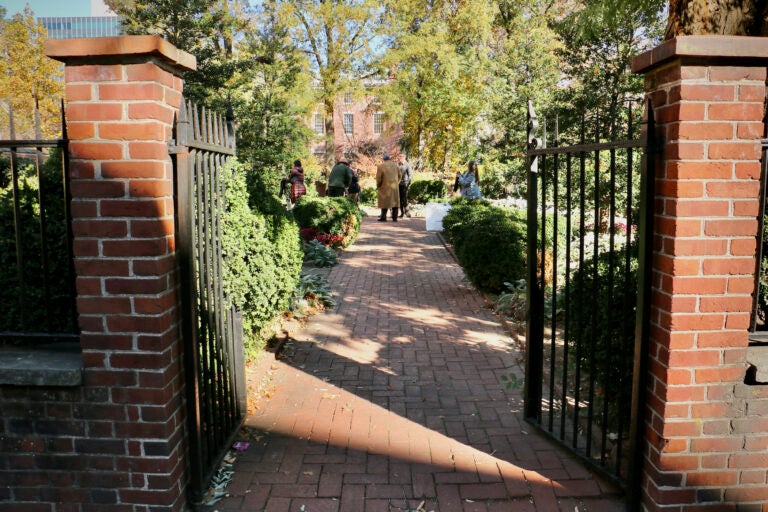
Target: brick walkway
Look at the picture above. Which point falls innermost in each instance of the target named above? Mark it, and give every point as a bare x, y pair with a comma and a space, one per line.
394, 401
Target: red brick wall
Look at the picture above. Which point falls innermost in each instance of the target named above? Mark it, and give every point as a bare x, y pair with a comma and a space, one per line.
705, 440
117, 441
363, 132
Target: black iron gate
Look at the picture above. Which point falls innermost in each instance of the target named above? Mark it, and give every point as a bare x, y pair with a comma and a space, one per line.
589, 208
213, 345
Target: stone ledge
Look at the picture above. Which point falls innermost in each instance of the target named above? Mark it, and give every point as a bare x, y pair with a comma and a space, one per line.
728, 50
757, 357
100, 50
41, 367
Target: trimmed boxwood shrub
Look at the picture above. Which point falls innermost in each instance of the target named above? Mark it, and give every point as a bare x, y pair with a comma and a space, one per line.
424, 191
368, 196
488, 241
329, 215
262, 253
601, 315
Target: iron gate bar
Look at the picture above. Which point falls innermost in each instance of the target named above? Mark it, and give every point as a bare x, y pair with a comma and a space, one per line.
627, 266
642, 328
612, 269
543, 270
595, 253
553, 337
568, 190
43, 224
582, 252
534, 303
586, 147
32, 143
42, 331
594, 409
17, 224
212, 332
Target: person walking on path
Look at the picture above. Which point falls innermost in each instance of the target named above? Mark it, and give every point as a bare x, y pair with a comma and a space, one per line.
296, 179
469, 182
340, 178
388, 177
353, 192
405, 182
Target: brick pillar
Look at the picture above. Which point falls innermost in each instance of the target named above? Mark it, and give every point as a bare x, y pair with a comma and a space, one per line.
122, 94
708, 94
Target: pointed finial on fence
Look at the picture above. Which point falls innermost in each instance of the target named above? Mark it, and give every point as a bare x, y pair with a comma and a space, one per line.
533, 127
230, 118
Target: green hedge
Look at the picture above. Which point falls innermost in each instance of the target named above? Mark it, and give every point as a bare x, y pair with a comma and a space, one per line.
368, 196
262, 252
329, 215
489, 242
425, 191
601, 315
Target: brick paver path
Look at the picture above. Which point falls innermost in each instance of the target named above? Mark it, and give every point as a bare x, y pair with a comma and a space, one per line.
393, 401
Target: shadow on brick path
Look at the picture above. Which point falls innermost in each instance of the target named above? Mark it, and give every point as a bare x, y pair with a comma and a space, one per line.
393, 401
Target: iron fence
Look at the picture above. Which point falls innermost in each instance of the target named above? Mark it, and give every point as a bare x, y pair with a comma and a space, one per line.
759, 321
213, 344
586, 233
37, 277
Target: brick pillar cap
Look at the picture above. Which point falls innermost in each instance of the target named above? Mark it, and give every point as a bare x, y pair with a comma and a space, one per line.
113, 50
732, 50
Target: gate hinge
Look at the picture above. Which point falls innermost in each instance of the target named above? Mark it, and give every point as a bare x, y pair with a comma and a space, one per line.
764, 143
174, 149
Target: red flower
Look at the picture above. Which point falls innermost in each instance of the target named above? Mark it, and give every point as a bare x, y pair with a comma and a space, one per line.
307, 234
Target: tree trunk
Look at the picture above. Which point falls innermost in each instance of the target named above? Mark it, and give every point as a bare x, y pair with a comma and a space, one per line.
723, 17
330, 156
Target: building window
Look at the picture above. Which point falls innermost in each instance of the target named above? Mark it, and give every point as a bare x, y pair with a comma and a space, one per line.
378, 122
347, 98
349, 125
73, 27
318, 123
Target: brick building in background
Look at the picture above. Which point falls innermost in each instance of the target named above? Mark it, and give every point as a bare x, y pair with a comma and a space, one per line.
361, 128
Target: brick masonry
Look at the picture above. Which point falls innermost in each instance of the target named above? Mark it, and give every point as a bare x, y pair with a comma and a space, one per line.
116, 443
706, 441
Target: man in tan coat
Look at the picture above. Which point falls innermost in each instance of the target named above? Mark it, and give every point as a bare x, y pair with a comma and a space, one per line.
387, 180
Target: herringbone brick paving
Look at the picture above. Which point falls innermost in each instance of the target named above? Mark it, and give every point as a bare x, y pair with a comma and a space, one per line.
393, 401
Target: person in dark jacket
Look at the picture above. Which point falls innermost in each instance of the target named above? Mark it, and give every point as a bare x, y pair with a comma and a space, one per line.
405, 182
339, 179
353, 192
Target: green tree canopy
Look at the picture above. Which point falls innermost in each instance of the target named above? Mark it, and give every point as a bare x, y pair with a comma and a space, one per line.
339, 40
271, 99
438, 62
207, 29
527, 66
